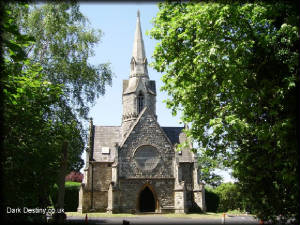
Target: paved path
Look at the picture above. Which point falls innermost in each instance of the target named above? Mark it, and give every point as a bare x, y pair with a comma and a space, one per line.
143, 220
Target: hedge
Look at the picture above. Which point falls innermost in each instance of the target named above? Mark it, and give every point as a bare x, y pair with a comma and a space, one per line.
226, 197
71, 195
212, 200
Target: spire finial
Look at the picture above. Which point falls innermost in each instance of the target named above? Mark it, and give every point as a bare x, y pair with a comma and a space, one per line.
138, 13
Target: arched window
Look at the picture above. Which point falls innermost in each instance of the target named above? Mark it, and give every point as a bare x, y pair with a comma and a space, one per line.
132, 63
140, 102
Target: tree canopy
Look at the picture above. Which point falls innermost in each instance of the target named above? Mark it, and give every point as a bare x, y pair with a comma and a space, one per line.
63, 44
232, 68
48, 86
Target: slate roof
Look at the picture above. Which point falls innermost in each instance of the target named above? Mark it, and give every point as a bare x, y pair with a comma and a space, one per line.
176, 136
173, 133
106, 136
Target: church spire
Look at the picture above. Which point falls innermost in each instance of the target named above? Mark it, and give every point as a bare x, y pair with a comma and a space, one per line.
138, 60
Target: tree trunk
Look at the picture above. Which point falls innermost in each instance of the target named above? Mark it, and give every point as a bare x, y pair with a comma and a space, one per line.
60, 215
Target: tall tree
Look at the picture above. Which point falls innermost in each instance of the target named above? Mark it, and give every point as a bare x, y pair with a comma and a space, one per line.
45, 84
64, 43
207, 173
233, 69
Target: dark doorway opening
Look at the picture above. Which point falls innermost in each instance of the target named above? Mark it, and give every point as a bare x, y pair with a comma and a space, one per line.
147, 201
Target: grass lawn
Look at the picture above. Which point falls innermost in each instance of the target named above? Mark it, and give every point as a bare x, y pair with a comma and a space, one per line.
173, 215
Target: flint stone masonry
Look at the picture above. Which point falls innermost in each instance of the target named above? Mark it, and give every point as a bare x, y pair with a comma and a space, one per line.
147, 131
123, 161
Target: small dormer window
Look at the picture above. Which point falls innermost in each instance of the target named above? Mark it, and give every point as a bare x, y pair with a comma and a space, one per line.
140, 102
105, 150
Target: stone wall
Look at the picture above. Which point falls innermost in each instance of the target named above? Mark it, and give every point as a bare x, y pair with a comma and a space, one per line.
131, 188
84, 201
129, 104
101, 182
102, 176
129, 112
186, 172
180, 198
147, 142
99, 203
146, 132
129, 100
199, 198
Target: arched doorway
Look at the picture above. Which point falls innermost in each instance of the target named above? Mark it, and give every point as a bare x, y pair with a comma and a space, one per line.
147, 201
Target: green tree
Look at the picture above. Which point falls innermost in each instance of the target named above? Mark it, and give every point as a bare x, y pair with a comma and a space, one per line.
38, 99
207, 173
211, 199
230, 198
233, 69
30, 148
226, 197
64, 43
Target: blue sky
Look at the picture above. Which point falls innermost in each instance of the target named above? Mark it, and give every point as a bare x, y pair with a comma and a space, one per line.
117, 21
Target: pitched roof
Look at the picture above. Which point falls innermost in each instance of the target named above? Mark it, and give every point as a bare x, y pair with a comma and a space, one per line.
173, 133
106, 136
177, 136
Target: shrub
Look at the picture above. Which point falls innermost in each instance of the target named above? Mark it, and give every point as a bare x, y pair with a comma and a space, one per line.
211, 199
230, 198
71, 195
74, 176
226, 197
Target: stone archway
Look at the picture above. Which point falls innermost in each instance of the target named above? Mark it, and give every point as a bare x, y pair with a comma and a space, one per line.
146, 200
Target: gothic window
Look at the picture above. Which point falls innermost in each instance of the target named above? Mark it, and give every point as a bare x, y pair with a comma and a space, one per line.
132, 66
132, 63
140, 102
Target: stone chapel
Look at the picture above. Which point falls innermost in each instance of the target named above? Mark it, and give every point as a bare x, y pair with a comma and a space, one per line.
134, 167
